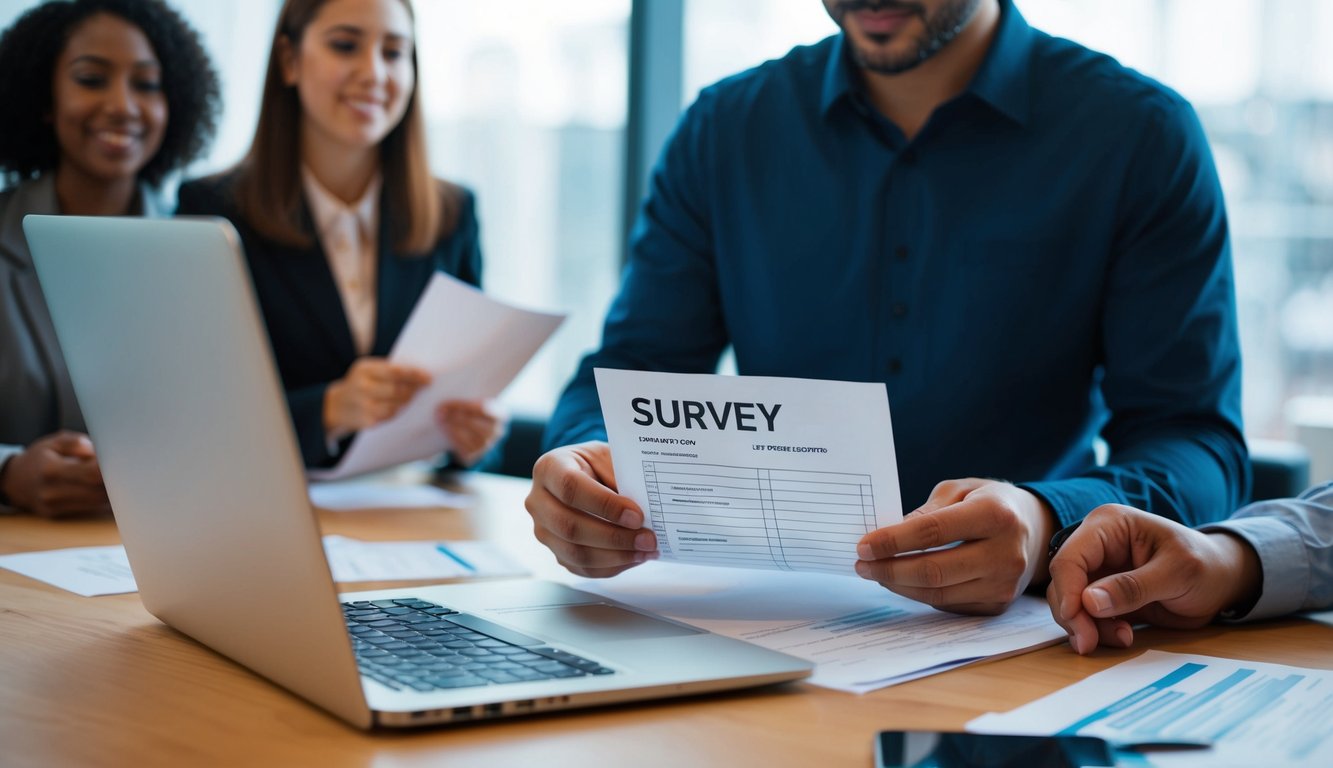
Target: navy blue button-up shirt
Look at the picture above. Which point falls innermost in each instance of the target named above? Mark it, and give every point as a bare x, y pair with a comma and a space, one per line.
1045, 261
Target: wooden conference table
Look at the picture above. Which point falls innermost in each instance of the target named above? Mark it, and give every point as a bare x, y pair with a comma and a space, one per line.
98, 681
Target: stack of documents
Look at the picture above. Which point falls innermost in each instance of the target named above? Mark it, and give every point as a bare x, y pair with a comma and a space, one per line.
780, 474
861, 636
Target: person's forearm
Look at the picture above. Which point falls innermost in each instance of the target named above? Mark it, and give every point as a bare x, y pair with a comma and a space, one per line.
1192, 474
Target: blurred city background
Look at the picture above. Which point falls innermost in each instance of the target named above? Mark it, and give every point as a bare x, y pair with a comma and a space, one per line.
529, 103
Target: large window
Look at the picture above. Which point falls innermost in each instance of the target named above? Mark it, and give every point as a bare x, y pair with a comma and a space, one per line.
1262, 81
526, 105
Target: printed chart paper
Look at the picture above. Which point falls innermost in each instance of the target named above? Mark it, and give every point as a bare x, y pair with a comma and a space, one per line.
1251, 712
472, 346
753, 472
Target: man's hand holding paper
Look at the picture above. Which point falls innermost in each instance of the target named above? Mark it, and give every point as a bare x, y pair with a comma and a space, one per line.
1002, 533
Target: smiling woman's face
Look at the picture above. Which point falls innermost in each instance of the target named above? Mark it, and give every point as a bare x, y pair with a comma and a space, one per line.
108, 109
353, 71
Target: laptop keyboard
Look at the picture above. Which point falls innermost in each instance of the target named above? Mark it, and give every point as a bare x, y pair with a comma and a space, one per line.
411, 643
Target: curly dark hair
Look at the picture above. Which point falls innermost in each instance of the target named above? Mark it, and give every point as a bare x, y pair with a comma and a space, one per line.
28, 53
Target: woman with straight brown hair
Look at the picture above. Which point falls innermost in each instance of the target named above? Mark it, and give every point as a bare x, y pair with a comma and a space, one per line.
343, 224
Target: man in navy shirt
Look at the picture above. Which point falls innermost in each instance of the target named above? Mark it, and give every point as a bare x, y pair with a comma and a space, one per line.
1025, 241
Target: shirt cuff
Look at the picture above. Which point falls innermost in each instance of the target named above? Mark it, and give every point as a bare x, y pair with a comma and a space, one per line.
1283, 559
1071, 500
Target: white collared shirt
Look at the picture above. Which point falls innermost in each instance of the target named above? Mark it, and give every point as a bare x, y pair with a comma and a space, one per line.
349, 234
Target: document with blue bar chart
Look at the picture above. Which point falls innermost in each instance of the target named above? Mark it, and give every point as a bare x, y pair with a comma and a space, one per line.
1251, 712
753, 472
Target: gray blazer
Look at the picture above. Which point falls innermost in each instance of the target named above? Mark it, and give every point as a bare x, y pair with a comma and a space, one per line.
36, 397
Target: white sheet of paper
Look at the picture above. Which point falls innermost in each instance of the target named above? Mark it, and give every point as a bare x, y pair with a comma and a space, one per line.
1323, 617
94, 571
472, 346
861, 636
1253, 713
355, 495
87, 571
355, 560
751, 471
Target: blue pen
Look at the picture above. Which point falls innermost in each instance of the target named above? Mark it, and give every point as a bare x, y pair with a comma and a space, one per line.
450, 554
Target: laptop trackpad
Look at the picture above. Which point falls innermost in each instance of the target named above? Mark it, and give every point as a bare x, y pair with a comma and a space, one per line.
593, 623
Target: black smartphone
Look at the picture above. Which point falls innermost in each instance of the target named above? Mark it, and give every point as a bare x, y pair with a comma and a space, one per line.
939, 749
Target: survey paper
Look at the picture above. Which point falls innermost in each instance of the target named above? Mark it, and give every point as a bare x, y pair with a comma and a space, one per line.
750, 471
471, 345
860, 636
1253, 713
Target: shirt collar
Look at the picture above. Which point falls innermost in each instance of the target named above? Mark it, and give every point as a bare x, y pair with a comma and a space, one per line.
326, 209
1002, 81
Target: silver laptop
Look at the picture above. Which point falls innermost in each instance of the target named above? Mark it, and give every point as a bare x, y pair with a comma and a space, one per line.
160, 328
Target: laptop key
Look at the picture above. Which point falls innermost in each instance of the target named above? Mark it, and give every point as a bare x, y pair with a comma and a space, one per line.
384, 603
492, 629
468, 681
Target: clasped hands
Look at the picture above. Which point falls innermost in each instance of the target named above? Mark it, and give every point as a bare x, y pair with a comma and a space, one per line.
1000, 534
374, 390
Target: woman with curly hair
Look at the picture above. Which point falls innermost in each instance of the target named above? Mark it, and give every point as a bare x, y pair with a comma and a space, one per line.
343, 225
103, 98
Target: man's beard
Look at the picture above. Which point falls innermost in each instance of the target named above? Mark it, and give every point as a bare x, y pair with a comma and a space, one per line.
941, 28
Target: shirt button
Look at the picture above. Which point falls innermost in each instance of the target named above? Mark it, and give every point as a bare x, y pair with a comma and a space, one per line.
899, 309
901, 252
895, 366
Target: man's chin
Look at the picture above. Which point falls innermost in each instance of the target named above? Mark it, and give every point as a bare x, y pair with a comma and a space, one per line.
889, 58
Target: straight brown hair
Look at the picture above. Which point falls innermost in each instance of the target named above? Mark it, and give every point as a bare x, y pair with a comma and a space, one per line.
268, 180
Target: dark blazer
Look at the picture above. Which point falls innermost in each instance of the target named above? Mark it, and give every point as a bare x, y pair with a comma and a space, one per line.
36, 395
303, 311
